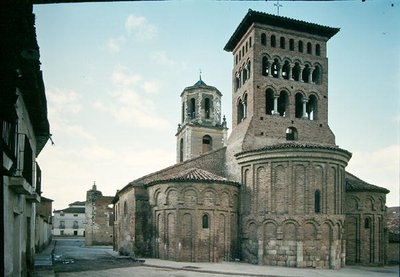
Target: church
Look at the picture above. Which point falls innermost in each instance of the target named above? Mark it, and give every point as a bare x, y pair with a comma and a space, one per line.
276, 191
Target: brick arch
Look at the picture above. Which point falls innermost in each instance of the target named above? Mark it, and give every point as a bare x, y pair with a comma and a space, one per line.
353, 199
172, 195
156, 195
290, 229
369, 202
206, 200
190, 196
226, 198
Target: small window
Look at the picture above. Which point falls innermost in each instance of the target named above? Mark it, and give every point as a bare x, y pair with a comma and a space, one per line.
291, 44
75, 215
291, 133
300, 46
318, 50
309, 48
181, 150
282, 43
273, 41
250, 44
207, 143
317, 201
205, 221
192, 108
367, 223
207, 108
263, 39
125, 209
236, 59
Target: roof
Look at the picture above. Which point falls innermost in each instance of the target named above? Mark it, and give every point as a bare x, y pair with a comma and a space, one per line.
354, 183
277, 21
78, 203
193, 174
296, 145
200, 84
72, 210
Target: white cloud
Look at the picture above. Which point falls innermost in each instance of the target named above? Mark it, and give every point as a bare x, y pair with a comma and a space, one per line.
63, 100
115, 44
379, 167
131, 100
140, 27
161, 58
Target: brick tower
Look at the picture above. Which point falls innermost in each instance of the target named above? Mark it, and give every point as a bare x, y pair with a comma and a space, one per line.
201, 129
281, 148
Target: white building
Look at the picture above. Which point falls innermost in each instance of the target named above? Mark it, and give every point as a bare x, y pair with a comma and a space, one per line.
70, 221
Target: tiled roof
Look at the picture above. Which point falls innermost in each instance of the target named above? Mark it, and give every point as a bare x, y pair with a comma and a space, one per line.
193, 174
295, 145
78, 203
278, 21
72, 210
200, 84
354, 183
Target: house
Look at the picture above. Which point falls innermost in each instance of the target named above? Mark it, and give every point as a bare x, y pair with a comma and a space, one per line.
70, 221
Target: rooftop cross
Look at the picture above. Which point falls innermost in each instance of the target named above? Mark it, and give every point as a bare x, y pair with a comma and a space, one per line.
277, 5
200, 73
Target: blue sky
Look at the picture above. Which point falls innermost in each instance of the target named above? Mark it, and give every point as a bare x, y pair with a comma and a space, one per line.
114, 72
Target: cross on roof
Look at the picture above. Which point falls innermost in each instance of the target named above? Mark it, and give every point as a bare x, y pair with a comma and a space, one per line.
277, 5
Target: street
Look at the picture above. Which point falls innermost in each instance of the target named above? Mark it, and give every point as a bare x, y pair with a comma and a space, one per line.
72, 258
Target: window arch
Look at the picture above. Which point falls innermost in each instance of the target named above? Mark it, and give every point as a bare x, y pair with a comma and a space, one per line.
367, 223
265, 66
263, 39
291, 133
205, 221
317, 50
291, 44
283, 102
275, 68
237, 81
192, 109
296, 72
245, 75
309, 48
300, 46
207, 108
125, 209
316, 75
282, 43
269, 101
241, 109
299, 105
181, 150
312, 106
317, 201
285, 70
273, 41
206, 143
306, 74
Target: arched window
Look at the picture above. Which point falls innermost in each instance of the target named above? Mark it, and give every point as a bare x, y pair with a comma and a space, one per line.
244, 73
236, 59
192, 108
316, 75
282, 43
317, 50
312, 107
300, 46
207, 108
275, 69
250, 43
237, 81
309, 48
296, 72
317, 202
205, 221
273, 41
125, 209
269, 101
207, 143
299, 105
306, 74
283, 103
285, 70
291, 44
263, 39
181, 150
248, 66
291, 133
265, 66
183, 112
367, 223
241, 110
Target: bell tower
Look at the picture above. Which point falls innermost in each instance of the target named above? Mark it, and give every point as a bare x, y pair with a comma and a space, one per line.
280, 81
201, 129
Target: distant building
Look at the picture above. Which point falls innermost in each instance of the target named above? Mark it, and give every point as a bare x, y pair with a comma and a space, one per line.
99, 218
70, 221
393, 229
44, 223
276, 192
24, 131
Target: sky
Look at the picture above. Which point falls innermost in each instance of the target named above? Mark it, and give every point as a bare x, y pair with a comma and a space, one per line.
114, 72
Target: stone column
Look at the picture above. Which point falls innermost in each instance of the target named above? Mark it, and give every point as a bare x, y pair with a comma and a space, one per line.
290, 77
301, 74
299, 254
270, 69
310, 74
305, 101
275, 111
260, 252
